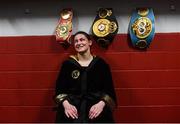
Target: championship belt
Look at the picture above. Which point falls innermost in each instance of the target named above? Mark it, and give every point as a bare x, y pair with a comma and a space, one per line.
142, 27
64, 27
104, 27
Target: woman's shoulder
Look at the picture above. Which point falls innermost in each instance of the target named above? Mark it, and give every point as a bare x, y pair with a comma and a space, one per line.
71, 60
101, 60
68, 60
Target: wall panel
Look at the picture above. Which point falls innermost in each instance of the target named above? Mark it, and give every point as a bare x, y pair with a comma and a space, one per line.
146, 82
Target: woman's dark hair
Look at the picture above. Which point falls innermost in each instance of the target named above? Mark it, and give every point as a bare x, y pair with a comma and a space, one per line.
84, 33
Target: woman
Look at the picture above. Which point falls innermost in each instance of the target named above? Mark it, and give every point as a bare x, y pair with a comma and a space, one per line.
84, 88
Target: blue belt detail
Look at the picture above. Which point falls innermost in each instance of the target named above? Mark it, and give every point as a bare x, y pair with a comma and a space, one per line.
135, 16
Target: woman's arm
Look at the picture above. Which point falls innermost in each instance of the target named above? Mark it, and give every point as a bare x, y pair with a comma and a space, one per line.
61, 88
61, 93
109, 95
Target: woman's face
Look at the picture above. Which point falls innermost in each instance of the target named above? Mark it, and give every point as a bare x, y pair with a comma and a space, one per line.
81, 43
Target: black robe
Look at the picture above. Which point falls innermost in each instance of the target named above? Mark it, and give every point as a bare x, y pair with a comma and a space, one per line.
83, 87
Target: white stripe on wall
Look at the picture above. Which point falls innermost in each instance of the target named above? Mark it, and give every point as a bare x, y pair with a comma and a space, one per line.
44, 15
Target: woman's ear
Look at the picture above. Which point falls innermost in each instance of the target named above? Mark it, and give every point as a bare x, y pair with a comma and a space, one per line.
90, 42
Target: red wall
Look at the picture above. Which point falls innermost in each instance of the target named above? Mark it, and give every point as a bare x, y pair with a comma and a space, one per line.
147, 82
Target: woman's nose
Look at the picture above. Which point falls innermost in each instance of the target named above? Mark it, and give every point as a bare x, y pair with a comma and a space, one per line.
78, 42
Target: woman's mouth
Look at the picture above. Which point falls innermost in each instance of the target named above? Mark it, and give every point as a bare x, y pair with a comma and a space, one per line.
80, 46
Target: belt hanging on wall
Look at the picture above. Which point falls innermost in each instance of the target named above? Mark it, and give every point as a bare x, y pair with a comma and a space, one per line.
142, 27
104, 27
64, 27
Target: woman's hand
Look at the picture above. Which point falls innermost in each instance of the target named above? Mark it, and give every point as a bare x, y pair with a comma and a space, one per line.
70, 110
96, 109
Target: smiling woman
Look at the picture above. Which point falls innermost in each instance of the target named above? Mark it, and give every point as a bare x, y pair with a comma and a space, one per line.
84, 88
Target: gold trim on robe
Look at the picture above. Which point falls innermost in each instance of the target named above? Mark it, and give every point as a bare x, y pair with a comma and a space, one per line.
59, 98
75, 57
109, 101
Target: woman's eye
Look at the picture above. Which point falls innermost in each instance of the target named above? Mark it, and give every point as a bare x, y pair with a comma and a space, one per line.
82, 39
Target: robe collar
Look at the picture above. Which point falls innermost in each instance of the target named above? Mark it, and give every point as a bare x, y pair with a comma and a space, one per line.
74, 60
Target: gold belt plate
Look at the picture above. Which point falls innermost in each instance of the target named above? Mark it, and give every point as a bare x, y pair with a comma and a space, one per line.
63, 30
142, 27
103, 27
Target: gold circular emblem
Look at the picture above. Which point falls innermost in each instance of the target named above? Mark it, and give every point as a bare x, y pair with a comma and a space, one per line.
103, 13
142, 27
101, 27
75, 74
65, 14
112, 27
63, 29
143, 11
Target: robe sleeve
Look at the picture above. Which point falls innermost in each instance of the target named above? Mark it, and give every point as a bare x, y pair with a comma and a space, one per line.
109, 96
61, 92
